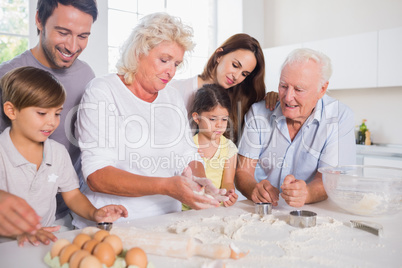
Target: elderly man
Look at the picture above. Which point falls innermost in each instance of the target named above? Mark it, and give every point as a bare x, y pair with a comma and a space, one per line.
306, 130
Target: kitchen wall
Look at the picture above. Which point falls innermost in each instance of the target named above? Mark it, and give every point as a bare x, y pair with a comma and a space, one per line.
289, 22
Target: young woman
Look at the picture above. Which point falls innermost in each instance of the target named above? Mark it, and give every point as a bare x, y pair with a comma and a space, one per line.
238, 66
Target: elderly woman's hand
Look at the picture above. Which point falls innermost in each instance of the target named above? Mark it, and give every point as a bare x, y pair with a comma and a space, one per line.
197, 193
210, 189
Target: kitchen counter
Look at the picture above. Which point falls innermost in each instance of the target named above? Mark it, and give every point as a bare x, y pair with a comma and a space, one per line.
271, 240
380, 150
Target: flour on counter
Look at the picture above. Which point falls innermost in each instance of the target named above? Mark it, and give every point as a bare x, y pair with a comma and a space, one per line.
273, 242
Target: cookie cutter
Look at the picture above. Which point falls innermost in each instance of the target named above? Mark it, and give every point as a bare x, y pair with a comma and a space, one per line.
105, 225
263, 209
302, 218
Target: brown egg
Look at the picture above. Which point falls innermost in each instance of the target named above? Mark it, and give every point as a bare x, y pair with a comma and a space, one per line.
90, 245
115, 242
77, 257
80, 239
66, 253
90, 262
105, 253
58, 246
100, 235
136, 256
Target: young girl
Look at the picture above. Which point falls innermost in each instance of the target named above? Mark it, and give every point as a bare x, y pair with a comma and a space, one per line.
210, 113
34, 167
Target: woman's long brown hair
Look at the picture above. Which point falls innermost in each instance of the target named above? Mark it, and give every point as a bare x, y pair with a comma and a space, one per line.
251, 90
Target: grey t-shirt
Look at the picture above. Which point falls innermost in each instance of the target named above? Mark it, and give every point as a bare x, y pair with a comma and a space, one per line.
37, 186
74, 79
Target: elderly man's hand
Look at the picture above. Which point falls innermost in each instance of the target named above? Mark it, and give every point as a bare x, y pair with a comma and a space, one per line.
294, 191
265, 192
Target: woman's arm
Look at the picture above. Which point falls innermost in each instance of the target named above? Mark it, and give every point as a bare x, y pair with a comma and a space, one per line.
127, 184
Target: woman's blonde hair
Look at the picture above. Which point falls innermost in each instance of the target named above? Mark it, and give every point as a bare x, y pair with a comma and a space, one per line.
152, 30
29, 86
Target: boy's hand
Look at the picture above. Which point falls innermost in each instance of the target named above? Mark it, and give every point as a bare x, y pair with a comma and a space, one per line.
110, 213
43, 235
232, 198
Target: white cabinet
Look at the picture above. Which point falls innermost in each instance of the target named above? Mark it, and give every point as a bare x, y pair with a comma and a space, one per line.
274, 57
366, 60
390, 57
377, 155
383, 161
354, 60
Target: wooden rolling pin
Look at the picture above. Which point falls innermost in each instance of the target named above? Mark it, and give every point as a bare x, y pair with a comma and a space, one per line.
167, 244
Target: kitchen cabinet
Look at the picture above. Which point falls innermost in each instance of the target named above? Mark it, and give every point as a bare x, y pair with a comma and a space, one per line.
379, 155
274, 57
366, 60
390, 57
354, 60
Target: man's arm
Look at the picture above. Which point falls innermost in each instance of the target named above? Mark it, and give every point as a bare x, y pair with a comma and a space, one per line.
248, 186
16, 216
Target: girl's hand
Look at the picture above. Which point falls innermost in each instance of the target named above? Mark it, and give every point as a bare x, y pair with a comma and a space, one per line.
110, 213
232, 198
43, 235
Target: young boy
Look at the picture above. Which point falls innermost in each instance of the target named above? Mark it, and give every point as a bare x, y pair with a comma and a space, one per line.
31, 165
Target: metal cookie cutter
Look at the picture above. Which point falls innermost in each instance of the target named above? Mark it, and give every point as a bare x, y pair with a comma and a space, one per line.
263, 209
302, 218
105, 225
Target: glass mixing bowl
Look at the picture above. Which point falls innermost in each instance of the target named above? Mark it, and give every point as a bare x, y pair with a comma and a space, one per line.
364, 190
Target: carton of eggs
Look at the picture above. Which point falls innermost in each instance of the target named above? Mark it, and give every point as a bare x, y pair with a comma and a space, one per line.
95, 248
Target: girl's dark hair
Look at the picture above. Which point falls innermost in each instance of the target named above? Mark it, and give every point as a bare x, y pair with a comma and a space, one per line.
45, 8
251, 90
31, 87
207, 98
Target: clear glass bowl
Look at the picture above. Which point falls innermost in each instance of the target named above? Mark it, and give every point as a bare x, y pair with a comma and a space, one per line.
364, 190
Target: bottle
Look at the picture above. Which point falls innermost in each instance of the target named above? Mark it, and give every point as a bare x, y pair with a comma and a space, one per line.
361, 135
368, 138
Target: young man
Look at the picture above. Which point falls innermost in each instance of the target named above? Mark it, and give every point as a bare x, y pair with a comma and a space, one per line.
63, 28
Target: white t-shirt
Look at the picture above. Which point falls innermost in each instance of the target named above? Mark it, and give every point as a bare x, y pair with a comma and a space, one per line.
187, 89
115, 128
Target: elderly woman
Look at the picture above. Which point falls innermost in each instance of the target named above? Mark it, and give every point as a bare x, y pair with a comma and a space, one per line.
133, 130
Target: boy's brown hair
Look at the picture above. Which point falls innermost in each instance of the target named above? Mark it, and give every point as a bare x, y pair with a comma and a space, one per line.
31, 87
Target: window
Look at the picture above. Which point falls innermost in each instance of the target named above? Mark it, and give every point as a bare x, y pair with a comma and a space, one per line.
18, 31
14, 28
123, 15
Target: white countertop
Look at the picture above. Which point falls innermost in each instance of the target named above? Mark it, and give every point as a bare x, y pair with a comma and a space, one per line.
271, 240
380, 150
